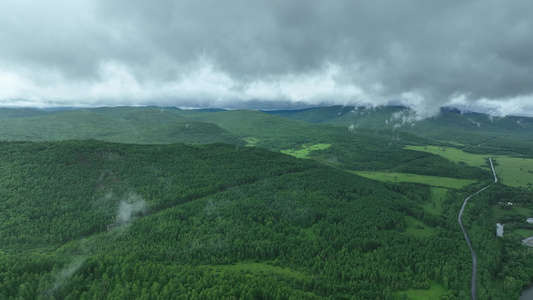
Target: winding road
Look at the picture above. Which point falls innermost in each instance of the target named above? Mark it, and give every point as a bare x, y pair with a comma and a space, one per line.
468, 242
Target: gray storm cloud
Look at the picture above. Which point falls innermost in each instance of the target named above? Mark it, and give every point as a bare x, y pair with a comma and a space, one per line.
425, 54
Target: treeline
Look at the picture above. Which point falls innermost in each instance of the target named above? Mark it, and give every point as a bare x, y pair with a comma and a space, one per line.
503, 146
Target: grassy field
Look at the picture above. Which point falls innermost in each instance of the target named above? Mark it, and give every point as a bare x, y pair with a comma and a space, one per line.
434, 206
512, 171
455, 155
251, 141
446, 182
259, 267
434, 292
309, 233
304, 152
499, 213
524, 233
517, 172
417, 228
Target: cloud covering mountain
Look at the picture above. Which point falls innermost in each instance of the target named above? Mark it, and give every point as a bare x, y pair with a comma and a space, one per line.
269, 54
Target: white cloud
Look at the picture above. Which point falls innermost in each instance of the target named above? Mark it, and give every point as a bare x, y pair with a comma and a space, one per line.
317, 87
117, 83
12, 85
520, 105
418, 102
209, 53
203, 84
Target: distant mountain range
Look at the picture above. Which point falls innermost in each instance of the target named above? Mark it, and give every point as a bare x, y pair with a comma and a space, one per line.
474, 132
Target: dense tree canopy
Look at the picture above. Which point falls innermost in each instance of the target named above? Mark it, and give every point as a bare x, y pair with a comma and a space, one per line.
89, 219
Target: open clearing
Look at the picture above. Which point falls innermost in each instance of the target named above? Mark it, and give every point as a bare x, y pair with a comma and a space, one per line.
417, 228
446, 182
498, 212
309, 233
512, 171
304, 152
455, 155
524, 233
251, 141
259, 267
434, 292
517, 172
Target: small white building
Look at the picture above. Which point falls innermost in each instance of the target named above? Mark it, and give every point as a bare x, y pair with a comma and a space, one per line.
499, 229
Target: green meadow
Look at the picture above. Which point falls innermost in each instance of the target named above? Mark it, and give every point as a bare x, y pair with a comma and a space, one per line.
434, 292
417, 228
499, 213
524, 233
516, 172
446, 182
259, 268
455, 155
309, 233
251, 141
304, 152
512, 171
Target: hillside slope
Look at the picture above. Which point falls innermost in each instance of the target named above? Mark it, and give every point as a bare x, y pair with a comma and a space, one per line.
122, 124
355, 149
85, 219
78, 216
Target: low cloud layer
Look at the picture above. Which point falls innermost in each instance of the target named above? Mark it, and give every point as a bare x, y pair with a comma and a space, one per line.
274, 54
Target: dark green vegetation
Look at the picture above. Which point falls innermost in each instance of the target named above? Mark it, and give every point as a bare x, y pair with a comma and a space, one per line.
152, 217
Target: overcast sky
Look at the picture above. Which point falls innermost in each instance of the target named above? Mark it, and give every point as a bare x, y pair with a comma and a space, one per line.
268, 54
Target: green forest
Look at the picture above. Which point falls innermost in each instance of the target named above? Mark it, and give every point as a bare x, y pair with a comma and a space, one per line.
163, 203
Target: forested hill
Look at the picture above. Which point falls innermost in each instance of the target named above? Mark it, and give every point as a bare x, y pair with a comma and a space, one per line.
57, 185
109, 203
476, 132
355, 149
90, 219
383, 117
274, 130
123, 124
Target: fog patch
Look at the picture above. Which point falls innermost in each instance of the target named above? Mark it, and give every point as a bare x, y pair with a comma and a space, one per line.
125, 210
474, 122
67, 272
64, 275
130, 208
212, 208
403, 118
